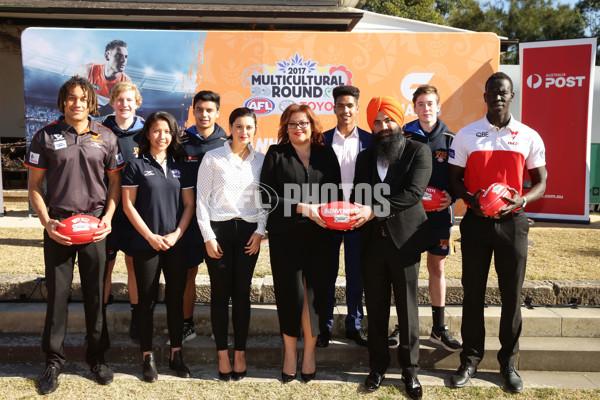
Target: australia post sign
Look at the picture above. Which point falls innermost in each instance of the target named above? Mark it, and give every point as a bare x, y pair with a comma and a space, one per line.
264, 71
556, 101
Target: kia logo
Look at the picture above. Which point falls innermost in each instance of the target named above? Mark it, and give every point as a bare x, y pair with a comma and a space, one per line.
534, 81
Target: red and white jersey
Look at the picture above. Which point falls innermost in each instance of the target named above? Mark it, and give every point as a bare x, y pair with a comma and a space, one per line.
103, 85
490, 154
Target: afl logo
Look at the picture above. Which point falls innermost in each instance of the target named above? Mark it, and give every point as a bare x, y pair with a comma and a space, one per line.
260, 105
534, 81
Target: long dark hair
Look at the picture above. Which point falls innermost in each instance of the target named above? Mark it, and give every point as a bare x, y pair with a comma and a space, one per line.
175, 149
316, 127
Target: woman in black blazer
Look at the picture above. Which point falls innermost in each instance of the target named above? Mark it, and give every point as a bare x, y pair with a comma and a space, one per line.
299, 175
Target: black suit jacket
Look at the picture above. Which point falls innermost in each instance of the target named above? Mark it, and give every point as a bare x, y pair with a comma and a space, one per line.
407, 178
282, 167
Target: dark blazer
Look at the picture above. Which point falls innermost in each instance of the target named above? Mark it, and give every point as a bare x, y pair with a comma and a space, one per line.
407, 178
282, 167
364, 138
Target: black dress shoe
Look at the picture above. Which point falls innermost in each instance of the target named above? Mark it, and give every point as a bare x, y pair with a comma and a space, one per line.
373, 381
414, 390
308, 377
359, 336
177, 365
149, 371
462, 375
103, 374
225, 376
287, 378
512, 379
49, 379
238, 376
323, 339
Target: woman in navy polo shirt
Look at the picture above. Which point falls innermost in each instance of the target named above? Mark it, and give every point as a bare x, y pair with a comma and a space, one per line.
232, 226
158, 199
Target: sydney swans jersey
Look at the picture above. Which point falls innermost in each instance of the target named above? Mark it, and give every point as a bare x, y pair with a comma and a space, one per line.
490, 154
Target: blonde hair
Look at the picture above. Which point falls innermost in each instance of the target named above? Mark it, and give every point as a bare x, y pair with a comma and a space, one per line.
123, 87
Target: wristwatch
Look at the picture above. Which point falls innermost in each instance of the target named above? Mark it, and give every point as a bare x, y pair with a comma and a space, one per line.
524, 202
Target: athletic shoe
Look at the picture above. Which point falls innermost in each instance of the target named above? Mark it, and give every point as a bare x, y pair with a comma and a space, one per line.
443, 338
394, 338
188, 333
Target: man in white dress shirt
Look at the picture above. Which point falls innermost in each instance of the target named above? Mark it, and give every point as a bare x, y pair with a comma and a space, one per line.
347, 140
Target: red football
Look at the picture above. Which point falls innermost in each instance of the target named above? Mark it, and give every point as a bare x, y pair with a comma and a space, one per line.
491, 201
433, 198
337, 215
80, 228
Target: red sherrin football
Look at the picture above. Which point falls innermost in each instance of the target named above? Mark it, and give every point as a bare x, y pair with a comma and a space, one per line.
491, 200
433, 198
80, 228
337, 215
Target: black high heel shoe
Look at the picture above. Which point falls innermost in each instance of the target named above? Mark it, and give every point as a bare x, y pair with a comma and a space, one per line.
237, 376
225, 376
308, 377
286, 378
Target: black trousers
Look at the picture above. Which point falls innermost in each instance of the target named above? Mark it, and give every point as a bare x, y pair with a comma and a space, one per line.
506, 239
382, 267
304, 252
147, 264
230, 278
59, 262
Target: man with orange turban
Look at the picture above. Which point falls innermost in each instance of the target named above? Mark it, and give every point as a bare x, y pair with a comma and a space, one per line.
389, 182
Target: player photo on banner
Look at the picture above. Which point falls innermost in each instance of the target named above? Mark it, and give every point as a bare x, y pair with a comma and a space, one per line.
264, 71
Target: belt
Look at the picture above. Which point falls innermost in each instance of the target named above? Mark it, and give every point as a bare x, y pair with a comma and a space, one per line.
57, 214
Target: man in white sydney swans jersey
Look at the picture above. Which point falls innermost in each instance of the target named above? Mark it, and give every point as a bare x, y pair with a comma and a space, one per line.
496, 148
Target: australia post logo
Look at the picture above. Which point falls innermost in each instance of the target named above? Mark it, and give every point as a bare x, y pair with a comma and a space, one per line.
555, 79
295, 80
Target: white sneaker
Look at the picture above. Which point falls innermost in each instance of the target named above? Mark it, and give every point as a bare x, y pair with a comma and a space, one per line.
394, 338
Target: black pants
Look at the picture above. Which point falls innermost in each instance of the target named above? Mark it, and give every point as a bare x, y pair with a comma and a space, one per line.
59, 261
147, 264
506, 239
302, 252
382, 267
230, 278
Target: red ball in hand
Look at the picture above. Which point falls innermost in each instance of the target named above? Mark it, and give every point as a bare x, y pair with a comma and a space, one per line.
80, 228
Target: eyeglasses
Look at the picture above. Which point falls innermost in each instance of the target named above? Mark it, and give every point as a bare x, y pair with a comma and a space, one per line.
301, 125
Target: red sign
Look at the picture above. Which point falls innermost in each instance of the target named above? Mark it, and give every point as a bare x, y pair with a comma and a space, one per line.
557, 82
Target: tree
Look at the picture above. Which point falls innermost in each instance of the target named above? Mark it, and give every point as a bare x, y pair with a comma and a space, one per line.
525, 20
420, 10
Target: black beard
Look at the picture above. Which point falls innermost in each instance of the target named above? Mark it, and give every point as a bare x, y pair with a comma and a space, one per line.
389, 144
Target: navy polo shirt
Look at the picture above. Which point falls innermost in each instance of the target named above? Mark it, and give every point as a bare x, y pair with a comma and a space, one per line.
158, 199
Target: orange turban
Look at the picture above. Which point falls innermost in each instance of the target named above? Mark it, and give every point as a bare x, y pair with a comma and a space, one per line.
389, 106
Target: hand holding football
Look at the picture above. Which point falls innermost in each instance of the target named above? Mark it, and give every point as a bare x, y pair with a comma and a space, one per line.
80, 228
337, 215
433, 199
492, 201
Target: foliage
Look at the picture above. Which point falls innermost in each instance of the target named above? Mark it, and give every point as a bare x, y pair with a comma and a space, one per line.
525, 20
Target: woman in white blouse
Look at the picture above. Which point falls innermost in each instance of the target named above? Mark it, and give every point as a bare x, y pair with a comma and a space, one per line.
232, 225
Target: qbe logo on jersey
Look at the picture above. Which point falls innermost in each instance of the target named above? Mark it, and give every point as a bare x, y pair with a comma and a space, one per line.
555, 79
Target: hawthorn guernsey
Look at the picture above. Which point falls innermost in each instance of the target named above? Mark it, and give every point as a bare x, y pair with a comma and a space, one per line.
80, 228
337, 215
